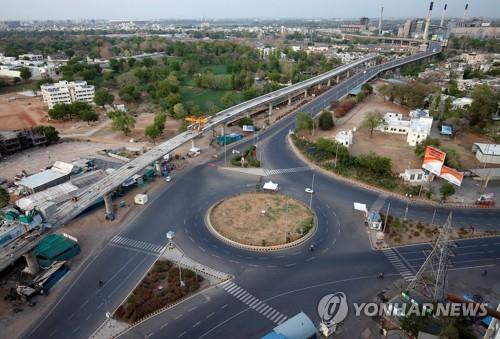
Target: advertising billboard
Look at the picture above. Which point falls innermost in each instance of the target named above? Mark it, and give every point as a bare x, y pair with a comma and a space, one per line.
452, 175
433, 160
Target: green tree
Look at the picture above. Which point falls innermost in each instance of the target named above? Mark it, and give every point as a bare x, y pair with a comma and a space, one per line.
179, 111
413, 323
360, 97
130, 93
88, 116
4, 198
447, 190
450, 331
153, 131
25, 73
122, 121
103, 97
371, 121
367, 88
304, 121
229, 99
484, 104
325, 121
245, 121
160, 120
51, 134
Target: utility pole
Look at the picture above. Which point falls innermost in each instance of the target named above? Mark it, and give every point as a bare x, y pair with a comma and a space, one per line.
386, 215
312, 188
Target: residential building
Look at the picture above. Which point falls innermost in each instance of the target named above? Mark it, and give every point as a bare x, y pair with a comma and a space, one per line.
414, 175
30, 57
476, 32
417, 128
487, 153
65, 92
352, 28
344, 138
461, 102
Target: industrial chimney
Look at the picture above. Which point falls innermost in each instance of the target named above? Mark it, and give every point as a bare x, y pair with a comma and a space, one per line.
380, 20
444, 15
428, 22
465, 12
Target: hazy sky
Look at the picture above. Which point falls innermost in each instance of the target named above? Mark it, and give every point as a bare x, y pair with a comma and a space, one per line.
154, 9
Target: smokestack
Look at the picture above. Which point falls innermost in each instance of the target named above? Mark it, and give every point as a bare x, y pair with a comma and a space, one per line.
444, 15
380, 20
428, 22
465, 12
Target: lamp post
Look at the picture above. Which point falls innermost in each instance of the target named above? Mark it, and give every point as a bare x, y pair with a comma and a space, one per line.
312, 189
408, 196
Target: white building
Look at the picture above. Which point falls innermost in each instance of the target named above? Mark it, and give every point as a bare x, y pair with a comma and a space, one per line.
344, 138
461, 102
417, 128
487, 153
394, 123
414, 175
31, 57
65, 92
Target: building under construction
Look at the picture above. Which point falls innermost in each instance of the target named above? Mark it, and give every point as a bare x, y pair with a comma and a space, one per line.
15, 141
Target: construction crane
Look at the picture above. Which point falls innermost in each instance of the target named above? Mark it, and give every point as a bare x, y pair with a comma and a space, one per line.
197, 123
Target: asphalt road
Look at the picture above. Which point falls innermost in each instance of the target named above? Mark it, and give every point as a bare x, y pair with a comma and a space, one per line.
270, 287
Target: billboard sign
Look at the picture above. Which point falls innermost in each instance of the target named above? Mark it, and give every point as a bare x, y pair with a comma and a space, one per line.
451, 175
433, 160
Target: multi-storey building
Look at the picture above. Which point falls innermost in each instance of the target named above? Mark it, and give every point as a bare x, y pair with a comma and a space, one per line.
65, 92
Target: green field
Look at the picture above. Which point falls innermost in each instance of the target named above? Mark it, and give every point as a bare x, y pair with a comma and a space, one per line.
216, 69
200, 96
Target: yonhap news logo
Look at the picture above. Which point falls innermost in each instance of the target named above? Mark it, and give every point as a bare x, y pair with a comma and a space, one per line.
333, 309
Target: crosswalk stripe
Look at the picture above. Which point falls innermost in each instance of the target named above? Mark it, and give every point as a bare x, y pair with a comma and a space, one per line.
265, 309
257, 305
272, 314
251, 300
254, 303
276, 317
236, 290
227, 282
240, 293
232, 288
261, 307
248, 297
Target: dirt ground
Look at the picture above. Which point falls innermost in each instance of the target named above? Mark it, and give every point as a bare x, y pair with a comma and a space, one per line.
240, 218
394, 146
24, 112
34, 159
415, 232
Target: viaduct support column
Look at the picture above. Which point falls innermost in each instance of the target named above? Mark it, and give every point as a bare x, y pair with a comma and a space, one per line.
289, 100
305, 93
32, 267
347, 74
338, 79
108, 203
329, 82
270, 108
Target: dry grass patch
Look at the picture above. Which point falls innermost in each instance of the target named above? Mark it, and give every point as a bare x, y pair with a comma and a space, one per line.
262, 219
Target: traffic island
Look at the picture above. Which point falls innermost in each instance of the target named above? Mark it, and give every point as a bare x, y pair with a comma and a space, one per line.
261, 221
162, 286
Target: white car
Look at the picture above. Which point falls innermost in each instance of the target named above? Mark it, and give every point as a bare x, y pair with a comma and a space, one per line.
168, 179
309, 190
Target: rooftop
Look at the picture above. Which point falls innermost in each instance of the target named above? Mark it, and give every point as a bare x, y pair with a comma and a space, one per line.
38, 179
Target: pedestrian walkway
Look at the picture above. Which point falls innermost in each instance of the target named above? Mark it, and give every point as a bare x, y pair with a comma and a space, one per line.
174, 254
379, 203
396, 261
136, 244
286, 170
253, 302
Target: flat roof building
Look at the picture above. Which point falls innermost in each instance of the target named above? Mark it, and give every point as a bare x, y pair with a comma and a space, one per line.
487, 153
65, 92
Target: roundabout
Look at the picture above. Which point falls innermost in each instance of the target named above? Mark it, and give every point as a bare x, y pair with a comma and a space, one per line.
261, 221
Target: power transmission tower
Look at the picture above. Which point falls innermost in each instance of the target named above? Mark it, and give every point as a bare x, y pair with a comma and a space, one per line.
432, 275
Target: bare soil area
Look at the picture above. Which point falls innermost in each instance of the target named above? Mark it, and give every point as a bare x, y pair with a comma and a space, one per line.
35, 159
403, 232
262, 219
23, 112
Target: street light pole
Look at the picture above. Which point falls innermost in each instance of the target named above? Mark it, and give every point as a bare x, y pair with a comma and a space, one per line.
312, 188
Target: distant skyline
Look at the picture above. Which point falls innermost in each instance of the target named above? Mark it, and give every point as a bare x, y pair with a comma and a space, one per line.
217, 9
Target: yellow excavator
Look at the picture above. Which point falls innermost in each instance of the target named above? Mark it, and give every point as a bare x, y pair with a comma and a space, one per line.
197, 123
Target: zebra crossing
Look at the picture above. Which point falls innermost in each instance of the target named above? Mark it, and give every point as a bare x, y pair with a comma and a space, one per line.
396, 261
253, 302
136, 244
270, 172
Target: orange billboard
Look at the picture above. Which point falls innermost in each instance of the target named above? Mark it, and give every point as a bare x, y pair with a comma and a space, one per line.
452, 175
433, 160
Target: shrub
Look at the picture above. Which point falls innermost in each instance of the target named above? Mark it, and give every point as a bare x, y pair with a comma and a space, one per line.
325, 121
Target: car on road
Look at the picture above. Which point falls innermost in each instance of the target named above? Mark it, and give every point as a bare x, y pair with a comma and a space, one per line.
309, 190
168, 179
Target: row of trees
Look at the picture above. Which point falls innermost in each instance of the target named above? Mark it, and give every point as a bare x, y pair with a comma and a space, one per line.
413, 94
77, 110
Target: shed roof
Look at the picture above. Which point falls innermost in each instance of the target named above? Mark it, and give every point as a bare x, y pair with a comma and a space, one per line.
39, 179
